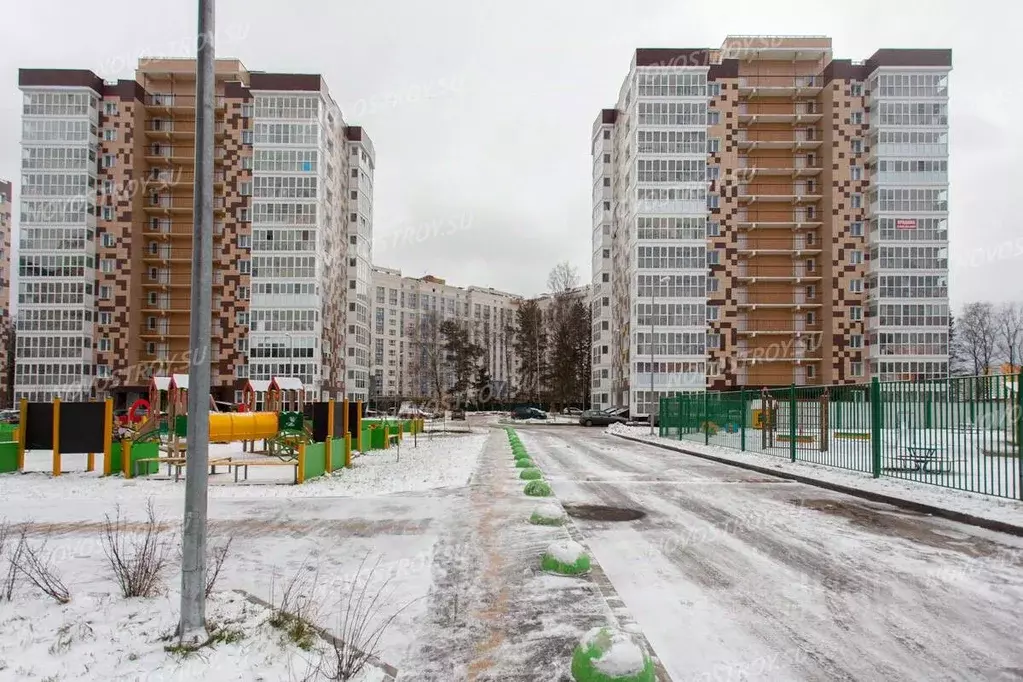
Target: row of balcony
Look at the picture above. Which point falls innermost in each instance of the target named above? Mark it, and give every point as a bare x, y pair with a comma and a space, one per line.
795, 193
799, 112
178, 177
166, 203
184, 129
801, 244
794, 272
162, 153
794, 139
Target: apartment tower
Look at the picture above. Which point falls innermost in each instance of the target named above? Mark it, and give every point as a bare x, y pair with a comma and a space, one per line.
107, 223
782, 213
6, 321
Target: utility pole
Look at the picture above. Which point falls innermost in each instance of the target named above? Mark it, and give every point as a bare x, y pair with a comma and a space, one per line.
192, 627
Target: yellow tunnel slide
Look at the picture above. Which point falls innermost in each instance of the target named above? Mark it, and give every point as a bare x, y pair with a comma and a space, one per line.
226, 427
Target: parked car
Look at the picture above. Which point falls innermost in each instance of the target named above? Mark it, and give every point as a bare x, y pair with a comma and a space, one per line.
571, 411
600, 418
528, 413
10, 416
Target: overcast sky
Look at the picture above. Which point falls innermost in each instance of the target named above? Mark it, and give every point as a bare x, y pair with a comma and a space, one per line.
481, 111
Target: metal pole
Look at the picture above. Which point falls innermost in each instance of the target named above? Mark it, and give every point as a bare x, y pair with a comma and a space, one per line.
192, 627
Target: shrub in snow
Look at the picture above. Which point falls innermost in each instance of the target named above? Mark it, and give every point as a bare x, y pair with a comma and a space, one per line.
523, 463
565, 557
609, 655
521, 456
530, 475
547, 515
538, 489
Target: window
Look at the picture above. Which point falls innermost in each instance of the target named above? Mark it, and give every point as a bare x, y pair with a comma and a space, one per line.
607, 205
856, 89
104, 292
246, 137
713, 258
605, 277
857, 200
713, 172
857, 146
607, 134
244, 267
247, 110
241, 319
713, 201
110, 108
107, 265
713, 341
714, 145
607, 182
856, 286
245, 189
713, 117
107, 240
856, 341
247, 162
103, 344
856, 228
855, 257
713, 229
105, 318
244, 241
856, 369
108, 213
856, 173
607, 158
103, 370
712, 285
354, 195
110, 134
811, 371
243, 293
811, 318
856, 117
713, 89
108, 161
855, 313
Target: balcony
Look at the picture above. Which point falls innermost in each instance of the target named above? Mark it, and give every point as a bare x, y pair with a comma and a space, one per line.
751, 87
167, 203
780, 325
796, 272
163, 329
796, 299
763, 112
784, 166
795, 193
798, 245
178, 103
177, 177
795, 139
797, 220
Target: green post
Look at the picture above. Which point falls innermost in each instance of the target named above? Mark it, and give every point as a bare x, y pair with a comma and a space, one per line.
742, 420
792, 421
928, 408
678, 415
875, 426
1017, 419
706, 417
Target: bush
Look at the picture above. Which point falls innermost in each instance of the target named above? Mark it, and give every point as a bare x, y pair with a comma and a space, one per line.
547, 515
538, 489
137, 563
524, 463
530, 475
566, 558
606, 655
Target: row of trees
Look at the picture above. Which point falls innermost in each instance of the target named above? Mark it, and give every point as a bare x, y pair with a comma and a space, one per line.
985, 335
550, 345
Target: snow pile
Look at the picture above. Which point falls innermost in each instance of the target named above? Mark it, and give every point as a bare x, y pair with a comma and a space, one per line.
608, 654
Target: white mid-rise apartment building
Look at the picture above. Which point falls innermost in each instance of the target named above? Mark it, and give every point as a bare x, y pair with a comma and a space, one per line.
57, 263
407, 312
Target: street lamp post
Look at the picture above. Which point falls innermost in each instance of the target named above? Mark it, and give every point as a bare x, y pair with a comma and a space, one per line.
653, 302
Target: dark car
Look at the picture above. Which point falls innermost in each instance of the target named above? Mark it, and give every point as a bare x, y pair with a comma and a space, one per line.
528, 413
600, 418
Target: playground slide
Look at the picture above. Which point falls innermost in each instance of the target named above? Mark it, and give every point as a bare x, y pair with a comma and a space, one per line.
237, 426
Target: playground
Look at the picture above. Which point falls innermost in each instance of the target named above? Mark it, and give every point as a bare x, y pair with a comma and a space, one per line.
275, 436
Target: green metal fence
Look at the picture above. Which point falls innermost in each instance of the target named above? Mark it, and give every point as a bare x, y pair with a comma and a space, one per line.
962, 432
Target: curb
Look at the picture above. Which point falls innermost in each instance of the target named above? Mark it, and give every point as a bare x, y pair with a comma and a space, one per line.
961, 517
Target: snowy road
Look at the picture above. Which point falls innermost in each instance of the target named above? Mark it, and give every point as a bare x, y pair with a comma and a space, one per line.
738, 576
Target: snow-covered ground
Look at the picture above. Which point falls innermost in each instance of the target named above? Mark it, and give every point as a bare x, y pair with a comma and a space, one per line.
984, 506
389, 513
734, 575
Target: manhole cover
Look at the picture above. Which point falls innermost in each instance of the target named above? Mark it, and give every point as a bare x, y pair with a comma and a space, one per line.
595, 512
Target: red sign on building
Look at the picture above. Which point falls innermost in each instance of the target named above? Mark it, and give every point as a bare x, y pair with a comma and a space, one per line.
905, 224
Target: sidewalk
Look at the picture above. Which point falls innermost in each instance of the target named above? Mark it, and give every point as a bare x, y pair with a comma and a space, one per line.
496, 615
993, 513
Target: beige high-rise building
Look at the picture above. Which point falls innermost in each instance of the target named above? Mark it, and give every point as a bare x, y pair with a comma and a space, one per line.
770, 215
107, 222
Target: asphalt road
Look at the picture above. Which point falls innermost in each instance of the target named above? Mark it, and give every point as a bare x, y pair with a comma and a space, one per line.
733, 575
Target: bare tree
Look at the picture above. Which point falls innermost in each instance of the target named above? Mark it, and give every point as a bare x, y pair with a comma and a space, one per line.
429, 362
40, 571
563, 278
1009, 332
976, 328
137, 563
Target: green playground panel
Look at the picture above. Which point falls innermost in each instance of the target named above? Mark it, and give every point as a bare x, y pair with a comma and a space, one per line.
8, 457
290, 421
315, 460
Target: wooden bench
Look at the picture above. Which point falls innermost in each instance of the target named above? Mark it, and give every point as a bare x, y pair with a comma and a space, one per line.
245, 464
921, 456
177, 463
